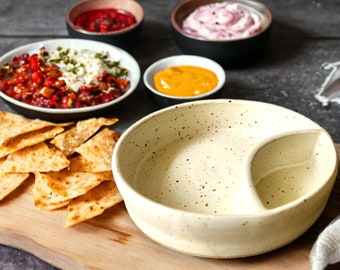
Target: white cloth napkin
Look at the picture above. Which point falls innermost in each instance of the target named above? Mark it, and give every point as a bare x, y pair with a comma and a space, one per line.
326, 249
330, 89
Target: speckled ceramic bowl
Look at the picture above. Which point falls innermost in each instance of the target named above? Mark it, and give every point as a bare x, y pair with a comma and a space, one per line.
224, 178
164, 100
229, 53
124, 38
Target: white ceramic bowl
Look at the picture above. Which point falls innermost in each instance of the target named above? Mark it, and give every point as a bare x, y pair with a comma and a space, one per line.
51, 114
225, 178
164, 100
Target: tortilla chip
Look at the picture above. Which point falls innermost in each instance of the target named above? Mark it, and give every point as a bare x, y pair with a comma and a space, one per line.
38, 157
84, 181
93, 203
65, 185
98, 149
17, 125
2, 160
70, 139
81, 164
42, 193
29, 139
10, 181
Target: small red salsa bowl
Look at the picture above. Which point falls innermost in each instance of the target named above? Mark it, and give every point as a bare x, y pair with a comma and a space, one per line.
82, 21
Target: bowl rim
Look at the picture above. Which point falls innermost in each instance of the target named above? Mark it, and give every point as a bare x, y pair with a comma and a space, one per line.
218, 69
122, 183
73, 8
37, 45
177, 25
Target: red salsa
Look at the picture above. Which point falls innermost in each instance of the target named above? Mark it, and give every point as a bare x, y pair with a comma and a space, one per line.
34, 80
105, 20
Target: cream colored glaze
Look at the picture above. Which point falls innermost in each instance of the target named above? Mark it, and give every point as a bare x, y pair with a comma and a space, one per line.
201, 176
204, 173
194, 140
288, 167
284, 185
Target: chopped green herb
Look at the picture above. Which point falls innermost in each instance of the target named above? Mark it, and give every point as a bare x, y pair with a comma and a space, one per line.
64, 57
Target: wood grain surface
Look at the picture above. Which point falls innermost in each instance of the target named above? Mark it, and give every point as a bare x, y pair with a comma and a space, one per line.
112, 241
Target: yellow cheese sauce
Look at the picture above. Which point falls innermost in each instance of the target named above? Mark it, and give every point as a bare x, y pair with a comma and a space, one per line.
185, 81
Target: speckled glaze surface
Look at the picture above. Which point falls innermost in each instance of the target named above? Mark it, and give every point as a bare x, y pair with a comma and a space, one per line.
225, 178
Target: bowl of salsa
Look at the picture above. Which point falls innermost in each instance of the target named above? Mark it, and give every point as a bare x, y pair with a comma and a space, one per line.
66, 79
117, 22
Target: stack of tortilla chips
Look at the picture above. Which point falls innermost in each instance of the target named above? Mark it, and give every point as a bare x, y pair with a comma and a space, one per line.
71, 163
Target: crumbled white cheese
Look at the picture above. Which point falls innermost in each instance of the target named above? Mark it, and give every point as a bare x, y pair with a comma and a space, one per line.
83, 67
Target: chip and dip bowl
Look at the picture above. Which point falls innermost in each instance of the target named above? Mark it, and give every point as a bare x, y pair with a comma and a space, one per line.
224, 178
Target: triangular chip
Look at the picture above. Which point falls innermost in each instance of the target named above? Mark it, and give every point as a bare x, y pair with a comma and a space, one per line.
93, 203
70, 139
99, 148
81, 164
38, 157
10, 181
42, 193
66, 185
14, 125
29, 139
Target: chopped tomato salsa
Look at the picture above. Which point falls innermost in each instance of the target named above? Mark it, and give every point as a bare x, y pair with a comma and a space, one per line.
35, 80
105, 20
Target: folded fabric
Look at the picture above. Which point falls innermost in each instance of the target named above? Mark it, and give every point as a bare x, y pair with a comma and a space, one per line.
330, 89
326, 249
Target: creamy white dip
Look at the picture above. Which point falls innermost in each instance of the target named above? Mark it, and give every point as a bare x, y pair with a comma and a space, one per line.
223, 20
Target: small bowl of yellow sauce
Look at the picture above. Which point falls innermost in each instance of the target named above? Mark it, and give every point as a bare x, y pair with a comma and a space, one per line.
183, 78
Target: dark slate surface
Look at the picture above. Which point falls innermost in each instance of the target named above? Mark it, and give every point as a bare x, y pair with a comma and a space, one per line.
305, 34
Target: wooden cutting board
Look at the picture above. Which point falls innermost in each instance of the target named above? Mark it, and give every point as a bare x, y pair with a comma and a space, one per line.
112, 241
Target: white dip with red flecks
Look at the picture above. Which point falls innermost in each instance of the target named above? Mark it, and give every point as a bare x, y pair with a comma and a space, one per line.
223, 20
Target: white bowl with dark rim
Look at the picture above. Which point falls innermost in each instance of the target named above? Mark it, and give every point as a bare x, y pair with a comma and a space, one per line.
225, 178
58, 115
